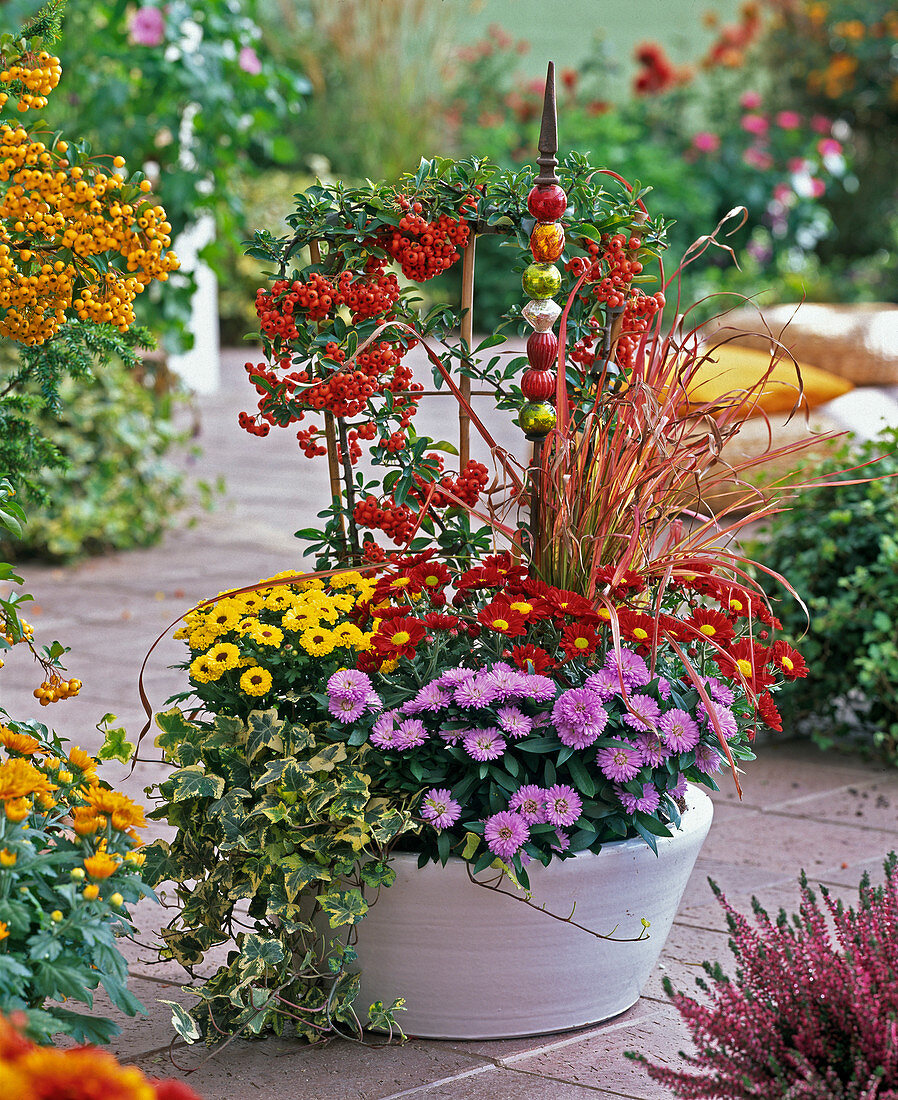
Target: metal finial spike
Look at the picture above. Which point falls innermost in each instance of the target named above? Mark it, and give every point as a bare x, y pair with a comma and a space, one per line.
548, 134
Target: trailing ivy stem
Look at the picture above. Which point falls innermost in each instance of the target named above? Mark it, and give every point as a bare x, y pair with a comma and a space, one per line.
355, 547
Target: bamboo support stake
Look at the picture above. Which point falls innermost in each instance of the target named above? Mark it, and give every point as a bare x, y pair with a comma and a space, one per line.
467, 335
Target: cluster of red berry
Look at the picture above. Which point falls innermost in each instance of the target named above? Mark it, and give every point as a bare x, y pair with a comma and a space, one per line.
398, 520
637, 316
424, 248
610, 269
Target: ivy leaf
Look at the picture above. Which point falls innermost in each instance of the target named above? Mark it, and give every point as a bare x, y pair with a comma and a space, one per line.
264, 733
115, 744
262, 948
343, 907
193, 782
175, 728
183, 1023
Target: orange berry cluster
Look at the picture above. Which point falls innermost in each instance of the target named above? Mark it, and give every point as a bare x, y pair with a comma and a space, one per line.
54, 689
424, 248
610, 273
52, 209
30, 78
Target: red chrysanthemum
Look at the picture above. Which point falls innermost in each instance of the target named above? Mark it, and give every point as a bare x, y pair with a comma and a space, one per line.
629, 583
747, 659
398, 637
478, 577
431, 576
434, 621
173, 1090
768, 713
707, 624
788, 660
635, 626
571, 604
530, 658
499, 617
578, 640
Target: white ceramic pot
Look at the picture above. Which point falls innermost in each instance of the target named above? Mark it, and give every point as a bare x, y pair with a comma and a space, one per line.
475, 964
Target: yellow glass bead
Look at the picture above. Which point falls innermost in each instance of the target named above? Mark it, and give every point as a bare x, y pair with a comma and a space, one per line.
536, 419
547, 241
541, 281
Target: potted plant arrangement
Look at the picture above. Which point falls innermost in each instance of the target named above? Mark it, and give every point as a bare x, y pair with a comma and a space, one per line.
497, 730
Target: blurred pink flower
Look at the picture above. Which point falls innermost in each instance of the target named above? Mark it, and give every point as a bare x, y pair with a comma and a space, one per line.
757, 158
788, 120
820, 124
755, 124
783, 193
829, 147
797, 164
705, 142
248, 60
750, 101
147, 27
818, 187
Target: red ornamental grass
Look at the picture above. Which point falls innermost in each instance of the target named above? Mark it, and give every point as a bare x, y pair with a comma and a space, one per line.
812, 1013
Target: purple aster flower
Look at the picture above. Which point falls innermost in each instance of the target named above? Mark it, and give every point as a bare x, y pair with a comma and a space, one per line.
504, 833
646, 802
349, 683
514, 722
604, 683
507, 682
643, 713
346, 710
486, 744
383, 732
563, 805
707, 759
564, 842
620, 762
629, 667
653, 749
679, 730
678, 790
431, 697
719, 691
476, 692
452, 677
580, 707
577, 737
530, 802
452, 737
538, 688
440, 808
664, 688
410, 734
725, 719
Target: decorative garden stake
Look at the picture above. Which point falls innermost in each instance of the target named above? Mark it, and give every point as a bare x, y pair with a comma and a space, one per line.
542, 281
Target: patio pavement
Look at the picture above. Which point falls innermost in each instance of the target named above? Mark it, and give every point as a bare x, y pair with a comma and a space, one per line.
835, 816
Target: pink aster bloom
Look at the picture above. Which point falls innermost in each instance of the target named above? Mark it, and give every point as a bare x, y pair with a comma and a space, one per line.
147, 27
563, 842
507, 682
431, 697
604, 683
248, 60
349, 683
643, 713
452, 737
563, 805
530, 802
453, 677
679, 730
653, 749
538, 688
788, 120
664, 688
476, 692
346, 710
440, 808
485, 744
750, 101
646, 802
755, 124
514, 722
725, 719
678, 790
383, 732
719, 691
705, 141
620, 762
504, 833
629, 667
707, 759
410, 734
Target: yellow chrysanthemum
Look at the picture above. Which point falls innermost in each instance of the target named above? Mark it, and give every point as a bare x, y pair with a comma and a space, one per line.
124, 811
281, 599
297, 620
8, 858
223, 656
201, 638
203, 671
137, 858
349, 634
264, 634
255, 681
17, 809
82, 760
85, 821
4, 930
346, 580
50, 1072
311, 585
224, 616
18, 742
318, 642
101, 865
249, 601
19, 778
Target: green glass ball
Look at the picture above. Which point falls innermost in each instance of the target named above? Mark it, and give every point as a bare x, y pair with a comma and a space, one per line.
541, 281
536, 418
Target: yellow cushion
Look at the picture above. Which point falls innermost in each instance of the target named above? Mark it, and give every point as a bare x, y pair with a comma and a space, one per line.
737, 368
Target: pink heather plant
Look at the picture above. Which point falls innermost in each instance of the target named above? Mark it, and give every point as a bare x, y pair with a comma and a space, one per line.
812, 1014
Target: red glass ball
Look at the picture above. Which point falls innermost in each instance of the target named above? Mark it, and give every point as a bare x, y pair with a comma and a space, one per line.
542, 350
538, 385
547, 204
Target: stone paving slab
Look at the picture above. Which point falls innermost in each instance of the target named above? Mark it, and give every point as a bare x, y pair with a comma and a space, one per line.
836, 816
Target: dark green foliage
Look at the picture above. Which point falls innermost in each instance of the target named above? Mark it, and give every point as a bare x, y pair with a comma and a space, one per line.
838, 546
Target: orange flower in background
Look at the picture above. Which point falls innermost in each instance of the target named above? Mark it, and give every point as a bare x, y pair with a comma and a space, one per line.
17, 809
18, 742
101, 865
124, 812
4, 930
85, 821
19, 778
82, 1073
82, 760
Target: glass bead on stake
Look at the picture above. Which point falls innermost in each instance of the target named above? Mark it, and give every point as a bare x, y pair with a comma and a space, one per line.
541, 281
